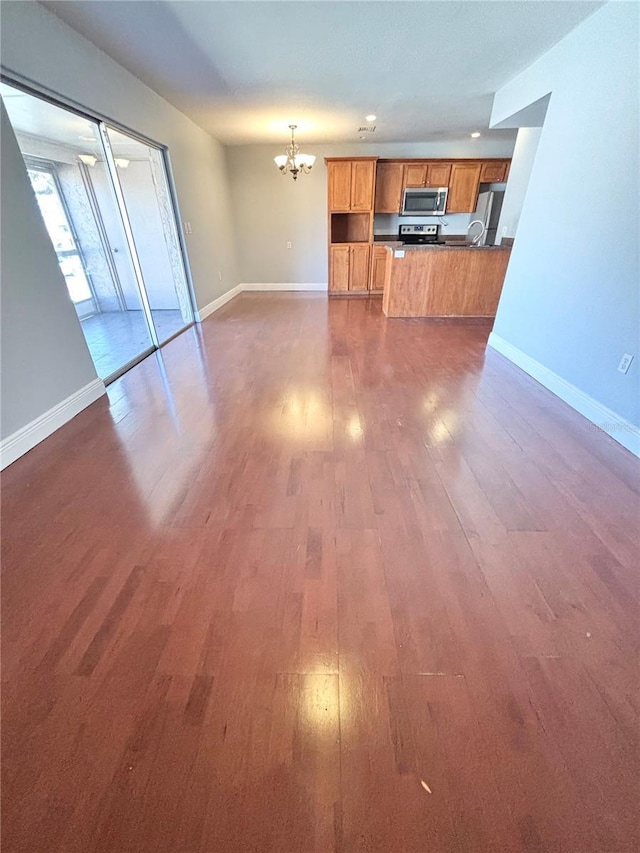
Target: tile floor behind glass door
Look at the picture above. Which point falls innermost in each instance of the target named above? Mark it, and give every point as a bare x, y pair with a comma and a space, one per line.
115, 338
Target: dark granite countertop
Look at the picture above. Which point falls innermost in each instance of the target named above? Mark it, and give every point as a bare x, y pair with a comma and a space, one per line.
467, 246
461, 243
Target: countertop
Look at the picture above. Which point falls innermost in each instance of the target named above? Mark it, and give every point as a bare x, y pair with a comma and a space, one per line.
459, 244
423, 247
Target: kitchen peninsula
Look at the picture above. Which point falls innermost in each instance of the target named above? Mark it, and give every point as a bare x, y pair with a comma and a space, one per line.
443, 281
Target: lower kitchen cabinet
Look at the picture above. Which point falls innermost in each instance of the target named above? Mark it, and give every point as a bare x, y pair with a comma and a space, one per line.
339, 263
349, 268
379, 268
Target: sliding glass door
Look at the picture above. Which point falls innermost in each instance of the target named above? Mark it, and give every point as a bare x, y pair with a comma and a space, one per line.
105, 200
141, 175
50, 200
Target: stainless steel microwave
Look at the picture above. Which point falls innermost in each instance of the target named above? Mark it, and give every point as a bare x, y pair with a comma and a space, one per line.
425, 201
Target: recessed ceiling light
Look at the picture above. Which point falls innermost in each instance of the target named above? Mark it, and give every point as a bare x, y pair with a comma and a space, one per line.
370, 117
475, 134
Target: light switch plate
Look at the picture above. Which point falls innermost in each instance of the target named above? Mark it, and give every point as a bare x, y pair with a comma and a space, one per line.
625, 363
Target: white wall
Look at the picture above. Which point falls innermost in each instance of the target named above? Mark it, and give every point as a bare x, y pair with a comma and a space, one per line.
44, 355
269, 210
519, 175
571, 297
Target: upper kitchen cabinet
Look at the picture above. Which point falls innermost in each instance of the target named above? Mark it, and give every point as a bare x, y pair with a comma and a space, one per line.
415, 174
339, 185
463, 187
389, 185
494, 172
351, 184
439, 175
427, 174
462, 177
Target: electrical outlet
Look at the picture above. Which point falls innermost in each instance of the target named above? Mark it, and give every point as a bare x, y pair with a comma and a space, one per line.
219, 276
288, 244
398, 253
187, 227
625, 363
504, 231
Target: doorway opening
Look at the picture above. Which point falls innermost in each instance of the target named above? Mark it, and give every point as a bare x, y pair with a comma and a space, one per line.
106, 202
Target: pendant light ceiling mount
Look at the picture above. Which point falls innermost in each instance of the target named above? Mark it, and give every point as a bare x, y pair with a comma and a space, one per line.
293, 162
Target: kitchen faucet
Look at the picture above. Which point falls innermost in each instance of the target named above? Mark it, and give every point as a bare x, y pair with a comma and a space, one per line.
476, 240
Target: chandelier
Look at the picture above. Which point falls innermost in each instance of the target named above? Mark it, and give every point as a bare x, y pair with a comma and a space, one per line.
293, 161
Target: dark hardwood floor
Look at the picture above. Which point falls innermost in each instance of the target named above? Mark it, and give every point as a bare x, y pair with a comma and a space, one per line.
313, 580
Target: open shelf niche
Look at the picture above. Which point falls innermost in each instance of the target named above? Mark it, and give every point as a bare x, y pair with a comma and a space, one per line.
350, 227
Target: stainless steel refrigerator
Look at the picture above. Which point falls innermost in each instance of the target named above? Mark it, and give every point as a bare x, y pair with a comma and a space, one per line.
488, 211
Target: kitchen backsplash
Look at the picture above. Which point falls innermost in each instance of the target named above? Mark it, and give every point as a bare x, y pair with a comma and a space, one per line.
389, 223
454, 223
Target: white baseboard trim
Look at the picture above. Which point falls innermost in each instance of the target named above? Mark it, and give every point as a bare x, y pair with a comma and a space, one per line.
323, 288
209, 309
205, 312
621, 430
24, 439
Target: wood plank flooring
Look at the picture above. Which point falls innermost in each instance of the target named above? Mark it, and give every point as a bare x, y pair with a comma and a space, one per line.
312, 580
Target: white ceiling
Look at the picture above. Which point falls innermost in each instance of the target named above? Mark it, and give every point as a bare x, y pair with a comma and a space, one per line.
245, 70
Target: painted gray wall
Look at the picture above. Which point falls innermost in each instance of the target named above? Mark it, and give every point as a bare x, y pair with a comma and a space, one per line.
571, 295
269, 209
44, 355
519, 175
39, 47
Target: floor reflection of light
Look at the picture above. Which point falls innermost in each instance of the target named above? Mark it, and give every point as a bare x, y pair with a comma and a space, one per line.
303, 415
438, 433
354, 428
431, 401
166, 387
444, 427
321, 705
163, 451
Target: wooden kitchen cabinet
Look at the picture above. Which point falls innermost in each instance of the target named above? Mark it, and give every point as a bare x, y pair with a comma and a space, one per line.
427, 174
350, 193
351, 184
378, 268
359, 267
438, 175
363, 175
339, 185
349, 268
463, 187
339, 257
462, 177
415, 174
494, 173
359, 185
389, 186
